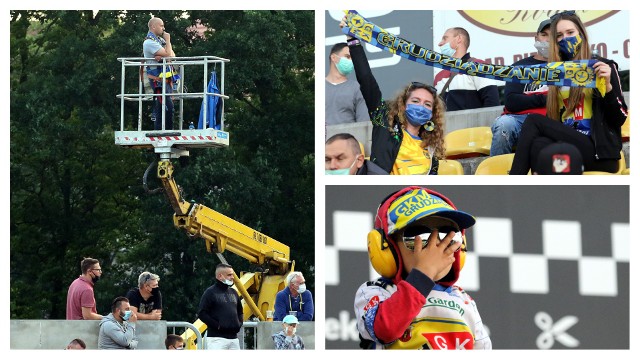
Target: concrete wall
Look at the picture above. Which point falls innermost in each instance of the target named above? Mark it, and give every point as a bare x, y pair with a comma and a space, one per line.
56, 334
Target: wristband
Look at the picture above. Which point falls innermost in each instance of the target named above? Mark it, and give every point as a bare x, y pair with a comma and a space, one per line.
353, 42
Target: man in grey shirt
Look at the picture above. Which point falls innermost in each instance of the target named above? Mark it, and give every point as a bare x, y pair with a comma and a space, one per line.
343, 100
157, 45
118, 329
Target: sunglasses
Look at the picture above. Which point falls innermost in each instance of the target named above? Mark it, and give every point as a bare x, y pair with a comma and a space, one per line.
419, 85
564, 13
425, 233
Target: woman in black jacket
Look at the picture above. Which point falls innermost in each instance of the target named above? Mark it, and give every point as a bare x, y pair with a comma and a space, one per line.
408, 132
576, 115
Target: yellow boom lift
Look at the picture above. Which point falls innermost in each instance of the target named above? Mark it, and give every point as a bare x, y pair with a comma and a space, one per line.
220, 233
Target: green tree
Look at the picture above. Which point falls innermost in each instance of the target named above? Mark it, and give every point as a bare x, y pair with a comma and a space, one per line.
75, 194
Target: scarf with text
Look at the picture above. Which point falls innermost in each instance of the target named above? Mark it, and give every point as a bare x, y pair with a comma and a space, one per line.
578, 73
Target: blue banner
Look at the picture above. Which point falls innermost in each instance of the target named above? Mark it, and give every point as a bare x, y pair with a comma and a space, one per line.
567, 73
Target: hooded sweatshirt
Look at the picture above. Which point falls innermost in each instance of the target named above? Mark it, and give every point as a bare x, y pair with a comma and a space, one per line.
116, 335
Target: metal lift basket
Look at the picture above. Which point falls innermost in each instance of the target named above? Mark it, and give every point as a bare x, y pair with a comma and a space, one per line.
172, 143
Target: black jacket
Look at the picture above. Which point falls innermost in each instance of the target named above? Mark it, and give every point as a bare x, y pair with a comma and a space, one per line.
369, 168
220, 308
385, 144
525, 98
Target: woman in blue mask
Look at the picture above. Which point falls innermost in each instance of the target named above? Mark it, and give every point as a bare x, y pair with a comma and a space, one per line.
408, 132
576, 115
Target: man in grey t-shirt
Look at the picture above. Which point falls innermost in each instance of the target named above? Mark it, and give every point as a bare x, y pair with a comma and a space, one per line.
157, 45
343, 100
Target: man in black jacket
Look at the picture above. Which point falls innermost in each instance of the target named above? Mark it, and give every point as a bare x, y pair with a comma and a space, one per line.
220, 309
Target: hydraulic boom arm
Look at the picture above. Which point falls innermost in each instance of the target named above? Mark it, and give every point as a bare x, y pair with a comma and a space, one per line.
221, 233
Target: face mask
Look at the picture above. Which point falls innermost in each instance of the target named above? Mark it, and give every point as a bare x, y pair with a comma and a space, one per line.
302, 288
543, 48
127, 315
155, 291
341, 171
95, 279
417, 115
569, 47
447, 50
227, 282
344, 66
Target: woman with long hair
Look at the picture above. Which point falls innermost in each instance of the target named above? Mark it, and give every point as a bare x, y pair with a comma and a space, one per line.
408, 132
579, 116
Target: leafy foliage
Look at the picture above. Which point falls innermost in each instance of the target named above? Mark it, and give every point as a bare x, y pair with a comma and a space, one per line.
75, 194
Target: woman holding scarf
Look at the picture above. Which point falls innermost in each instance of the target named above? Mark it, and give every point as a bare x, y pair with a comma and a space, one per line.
408, 132
579, 116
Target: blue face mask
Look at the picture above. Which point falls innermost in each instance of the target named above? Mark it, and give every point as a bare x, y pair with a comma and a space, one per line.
417, 115
447, 50
127, 315
341, 171
344, 66
569, 47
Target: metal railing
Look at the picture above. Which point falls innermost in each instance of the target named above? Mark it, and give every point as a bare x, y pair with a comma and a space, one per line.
180, 94
183, 324
243, 337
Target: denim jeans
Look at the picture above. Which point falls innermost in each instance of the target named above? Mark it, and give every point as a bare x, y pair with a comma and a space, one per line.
156, 116
506, 131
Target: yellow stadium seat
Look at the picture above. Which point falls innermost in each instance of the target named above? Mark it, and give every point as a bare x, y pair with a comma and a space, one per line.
495, 165
626, 130
450, 167
626, 171
469, 142
622, 166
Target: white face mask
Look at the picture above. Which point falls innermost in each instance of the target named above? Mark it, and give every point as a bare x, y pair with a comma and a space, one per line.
446, 49
227, 282
543, 48
286, 329
346, 171
302, 288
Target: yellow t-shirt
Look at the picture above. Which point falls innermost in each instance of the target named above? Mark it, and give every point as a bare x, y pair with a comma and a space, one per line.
581, 117
412, 159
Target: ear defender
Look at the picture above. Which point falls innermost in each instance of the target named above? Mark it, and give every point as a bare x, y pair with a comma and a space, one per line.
463, 252
381, 254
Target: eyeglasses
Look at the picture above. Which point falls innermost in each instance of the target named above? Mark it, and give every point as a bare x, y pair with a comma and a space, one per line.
96, 270
564, 13
419, 85
409, 241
